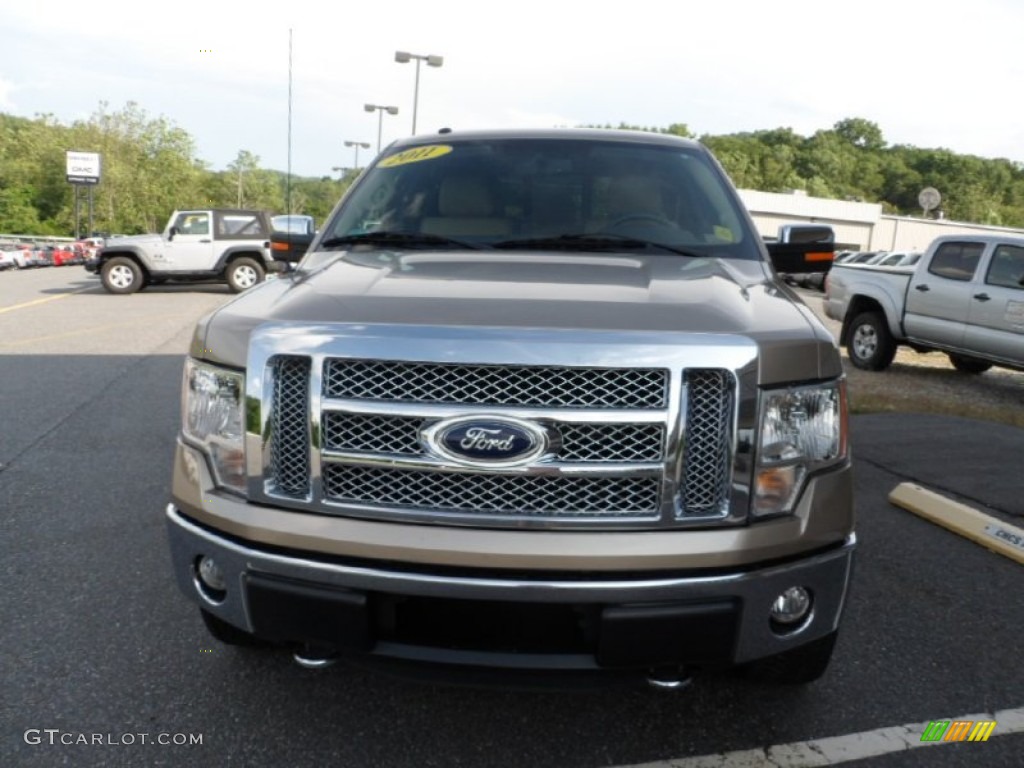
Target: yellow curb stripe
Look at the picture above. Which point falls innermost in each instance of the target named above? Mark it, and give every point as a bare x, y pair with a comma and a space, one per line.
82, 331
991, 532
36, 302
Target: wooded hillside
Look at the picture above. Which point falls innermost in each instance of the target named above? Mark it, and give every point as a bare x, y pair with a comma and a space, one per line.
150, 168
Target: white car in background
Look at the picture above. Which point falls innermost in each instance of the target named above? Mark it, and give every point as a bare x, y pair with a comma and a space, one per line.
6, 258
21, 256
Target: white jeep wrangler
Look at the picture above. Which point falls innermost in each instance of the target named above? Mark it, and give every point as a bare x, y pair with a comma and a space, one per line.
219, 244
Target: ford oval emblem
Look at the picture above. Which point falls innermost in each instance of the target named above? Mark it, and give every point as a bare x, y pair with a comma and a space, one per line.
487, 440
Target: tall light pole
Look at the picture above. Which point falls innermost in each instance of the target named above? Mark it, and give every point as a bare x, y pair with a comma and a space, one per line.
380, 110
357, 145
404, 57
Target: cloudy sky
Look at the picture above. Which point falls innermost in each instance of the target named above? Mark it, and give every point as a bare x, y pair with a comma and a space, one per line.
931, 74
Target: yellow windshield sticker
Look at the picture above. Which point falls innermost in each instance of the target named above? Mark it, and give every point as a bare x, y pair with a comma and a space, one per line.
723, 233
415, 155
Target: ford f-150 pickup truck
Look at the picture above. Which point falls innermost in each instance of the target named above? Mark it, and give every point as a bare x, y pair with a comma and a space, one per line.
964, 297
226, 245
534, 403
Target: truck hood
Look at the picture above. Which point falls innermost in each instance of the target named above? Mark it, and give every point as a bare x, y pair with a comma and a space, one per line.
587, 292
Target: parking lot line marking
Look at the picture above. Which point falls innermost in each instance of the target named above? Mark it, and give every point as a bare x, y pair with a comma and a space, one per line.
991, 532
81, 331
34, 302
836, 750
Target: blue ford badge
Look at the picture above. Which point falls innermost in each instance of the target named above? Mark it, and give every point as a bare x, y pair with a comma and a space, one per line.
483, 440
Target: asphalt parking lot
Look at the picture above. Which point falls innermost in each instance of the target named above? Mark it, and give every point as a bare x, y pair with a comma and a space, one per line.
97, 642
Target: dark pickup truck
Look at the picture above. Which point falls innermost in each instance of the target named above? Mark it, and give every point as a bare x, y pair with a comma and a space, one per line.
291, 236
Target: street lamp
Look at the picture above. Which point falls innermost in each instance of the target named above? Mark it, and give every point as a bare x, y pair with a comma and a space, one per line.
357, 145
403, 57
380, 117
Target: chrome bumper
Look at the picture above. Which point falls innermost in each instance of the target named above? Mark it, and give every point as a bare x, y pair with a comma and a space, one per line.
752, 591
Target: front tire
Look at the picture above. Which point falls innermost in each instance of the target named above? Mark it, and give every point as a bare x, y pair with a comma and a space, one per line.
966, 364
244, 273
869, 344
796, 667
122, 275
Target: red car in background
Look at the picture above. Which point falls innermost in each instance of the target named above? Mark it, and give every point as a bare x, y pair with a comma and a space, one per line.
63, 255
60, 255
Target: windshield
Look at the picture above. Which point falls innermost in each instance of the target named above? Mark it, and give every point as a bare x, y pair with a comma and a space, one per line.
294, 224
543, 193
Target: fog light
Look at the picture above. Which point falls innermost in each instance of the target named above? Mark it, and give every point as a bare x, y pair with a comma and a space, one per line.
792, 606
211, 575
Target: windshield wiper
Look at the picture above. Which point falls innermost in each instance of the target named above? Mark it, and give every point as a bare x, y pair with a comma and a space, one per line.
591, 242
399, 239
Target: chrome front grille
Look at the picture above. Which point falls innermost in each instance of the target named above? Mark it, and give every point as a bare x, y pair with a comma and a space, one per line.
500, 385
289, 425
708, 442
604, 443
474, 493
372, 433
583, 443
647, 447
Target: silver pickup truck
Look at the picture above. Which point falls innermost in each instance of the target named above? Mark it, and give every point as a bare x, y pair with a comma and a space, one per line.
533, 403
965, 297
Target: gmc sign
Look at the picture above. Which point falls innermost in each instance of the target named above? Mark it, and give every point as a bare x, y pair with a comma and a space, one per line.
83, 167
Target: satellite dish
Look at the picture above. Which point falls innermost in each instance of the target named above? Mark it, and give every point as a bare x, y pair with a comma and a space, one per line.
929, 199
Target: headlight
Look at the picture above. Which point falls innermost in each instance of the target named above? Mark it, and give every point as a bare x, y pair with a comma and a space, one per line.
802, 429
211, 411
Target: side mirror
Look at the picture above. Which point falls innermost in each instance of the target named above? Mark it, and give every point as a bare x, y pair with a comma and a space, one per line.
171, 233
803, 248
289, 246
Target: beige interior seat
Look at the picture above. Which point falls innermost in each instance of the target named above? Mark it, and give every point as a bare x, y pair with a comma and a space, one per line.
635, 196
465, 208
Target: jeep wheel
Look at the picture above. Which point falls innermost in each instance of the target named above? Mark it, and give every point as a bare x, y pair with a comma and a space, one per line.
244, 273
122, 275
870, 345
796, 667
966, 364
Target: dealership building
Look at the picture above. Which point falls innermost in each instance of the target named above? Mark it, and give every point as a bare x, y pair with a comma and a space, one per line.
858, 226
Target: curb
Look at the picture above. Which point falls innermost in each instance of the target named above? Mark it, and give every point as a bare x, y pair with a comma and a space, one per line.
990, 532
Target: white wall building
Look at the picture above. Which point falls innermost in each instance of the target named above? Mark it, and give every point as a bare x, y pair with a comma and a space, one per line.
858, 226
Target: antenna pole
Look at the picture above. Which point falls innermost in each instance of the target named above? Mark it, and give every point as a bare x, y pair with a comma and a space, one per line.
288, 186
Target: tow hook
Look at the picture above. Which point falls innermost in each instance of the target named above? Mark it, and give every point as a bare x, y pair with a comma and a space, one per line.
668, 678
313, 657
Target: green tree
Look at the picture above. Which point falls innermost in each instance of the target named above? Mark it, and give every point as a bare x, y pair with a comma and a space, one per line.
150, 168
861, 133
